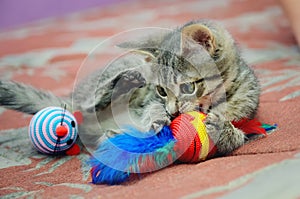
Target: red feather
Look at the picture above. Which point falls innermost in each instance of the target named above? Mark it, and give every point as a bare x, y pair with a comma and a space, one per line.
250, 126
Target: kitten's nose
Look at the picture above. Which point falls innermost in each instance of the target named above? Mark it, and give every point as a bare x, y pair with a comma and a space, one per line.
199, 108
172, 108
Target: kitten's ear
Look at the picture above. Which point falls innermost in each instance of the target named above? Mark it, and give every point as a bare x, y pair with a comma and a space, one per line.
149, 56
140, 48
147, 45
199, 34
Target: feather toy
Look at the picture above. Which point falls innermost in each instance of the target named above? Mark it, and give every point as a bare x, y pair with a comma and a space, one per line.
134, 152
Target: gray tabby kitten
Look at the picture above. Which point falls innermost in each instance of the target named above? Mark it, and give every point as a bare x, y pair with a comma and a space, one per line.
195, 67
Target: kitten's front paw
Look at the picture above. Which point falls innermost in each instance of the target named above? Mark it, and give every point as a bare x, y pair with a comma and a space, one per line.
230, 139
112, 132
214, 123
159, 124
132, 75
155, 117
132, 79
226, 137
127, 81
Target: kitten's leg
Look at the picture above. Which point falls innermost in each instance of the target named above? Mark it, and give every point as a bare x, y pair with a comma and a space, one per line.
226, 137
155, 116
230, 139
118, 85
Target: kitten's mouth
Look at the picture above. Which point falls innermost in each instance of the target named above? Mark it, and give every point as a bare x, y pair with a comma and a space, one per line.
174, 115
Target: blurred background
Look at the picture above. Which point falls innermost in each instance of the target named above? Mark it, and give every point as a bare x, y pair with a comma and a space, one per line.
15, 12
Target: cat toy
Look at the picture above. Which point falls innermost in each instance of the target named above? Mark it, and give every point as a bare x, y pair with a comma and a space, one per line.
134, 152
53, 130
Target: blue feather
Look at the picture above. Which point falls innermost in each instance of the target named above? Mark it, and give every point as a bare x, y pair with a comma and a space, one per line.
132, 152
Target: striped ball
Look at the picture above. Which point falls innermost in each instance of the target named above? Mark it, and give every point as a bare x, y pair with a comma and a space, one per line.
42, 130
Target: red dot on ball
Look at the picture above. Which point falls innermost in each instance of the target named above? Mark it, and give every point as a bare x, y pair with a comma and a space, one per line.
61, 131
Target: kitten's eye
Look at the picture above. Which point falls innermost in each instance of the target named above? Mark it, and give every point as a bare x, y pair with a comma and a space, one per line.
187, 88
161, 91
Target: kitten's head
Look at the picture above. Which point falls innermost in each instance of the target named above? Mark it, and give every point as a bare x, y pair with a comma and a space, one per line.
184, 65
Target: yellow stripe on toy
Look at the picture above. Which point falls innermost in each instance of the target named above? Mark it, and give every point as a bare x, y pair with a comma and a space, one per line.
202, 134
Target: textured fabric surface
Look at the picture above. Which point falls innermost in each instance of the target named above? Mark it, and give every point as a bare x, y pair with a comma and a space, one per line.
47, 54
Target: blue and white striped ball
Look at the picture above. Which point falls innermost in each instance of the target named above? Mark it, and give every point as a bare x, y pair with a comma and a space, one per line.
42, 130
